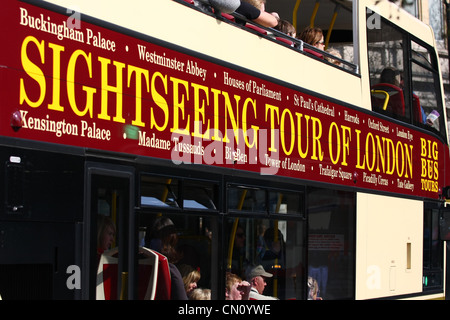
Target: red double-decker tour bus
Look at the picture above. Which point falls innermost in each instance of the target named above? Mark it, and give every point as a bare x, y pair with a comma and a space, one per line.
145, 142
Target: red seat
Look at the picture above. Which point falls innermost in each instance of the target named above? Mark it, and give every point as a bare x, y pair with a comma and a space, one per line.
284, 40
228, 16
164, 282
417, 109
396, 103
256, 28
107, 275
148, 275
314, 53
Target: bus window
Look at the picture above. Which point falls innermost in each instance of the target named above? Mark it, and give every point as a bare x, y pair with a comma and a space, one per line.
425, 79
254, 199
281, 201
199, 195
386, 67
167, 192
176, 221
331, 242
267, 229
159, 191
277, 245
249, 199
188, 250
404, 78
433, 259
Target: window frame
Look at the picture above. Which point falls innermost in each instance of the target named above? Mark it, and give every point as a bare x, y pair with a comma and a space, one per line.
407, 63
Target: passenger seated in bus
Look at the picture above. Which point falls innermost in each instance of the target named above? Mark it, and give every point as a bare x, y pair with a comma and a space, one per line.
163, 238
274, 254
106, 232
313, 289
286, 27
200, 294
236, 288
256, 276
314, 37
389, 82
335, 53
190, 278
259, 16
239, 262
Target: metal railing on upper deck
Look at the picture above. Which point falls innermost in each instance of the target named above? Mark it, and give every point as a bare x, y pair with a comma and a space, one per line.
271, 34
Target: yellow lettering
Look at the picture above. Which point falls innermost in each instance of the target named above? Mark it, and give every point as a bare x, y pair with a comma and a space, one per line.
283, 130
245, 121
159, 101
302, 153
179, 106
423, 149
199, 111
408, 161
370, 165
56, 97
381, 155
345, 144
33, 71
334, 128
359, 164
216, 132
390, 156
273, 110
316, 135
139, 72
234, 120
106, 88
71, 67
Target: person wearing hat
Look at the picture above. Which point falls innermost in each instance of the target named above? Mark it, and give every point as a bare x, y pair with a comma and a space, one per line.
257, 278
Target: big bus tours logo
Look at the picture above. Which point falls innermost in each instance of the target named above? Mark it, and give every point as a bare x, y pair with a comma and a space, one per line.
429, 165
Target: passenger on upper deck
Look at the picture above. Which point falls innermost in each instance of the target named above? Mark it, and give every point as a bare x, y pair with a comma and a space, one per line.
390, 75
313, 36
394, 103
256, 12
286, 27
335, 53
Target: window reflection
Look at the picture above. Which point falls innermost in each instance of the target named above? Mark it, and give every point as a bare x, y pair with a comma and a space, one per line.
276, 245
253, 199
413, 94
331, 242
167, 192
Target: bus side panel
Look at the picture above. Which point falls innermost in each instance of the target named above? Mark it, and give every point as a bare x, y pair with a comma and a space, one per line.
389, 246
34, 259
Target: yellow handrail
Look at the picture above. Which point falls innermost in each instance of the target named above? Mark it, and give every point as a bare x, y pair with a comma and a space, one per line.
333, 20
124, 286
294, 14
313, 16
386, 99
233, 231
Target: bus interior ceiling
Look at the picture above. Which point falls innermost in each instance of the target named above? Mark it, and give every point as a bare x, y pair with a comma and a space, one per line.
320, 13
